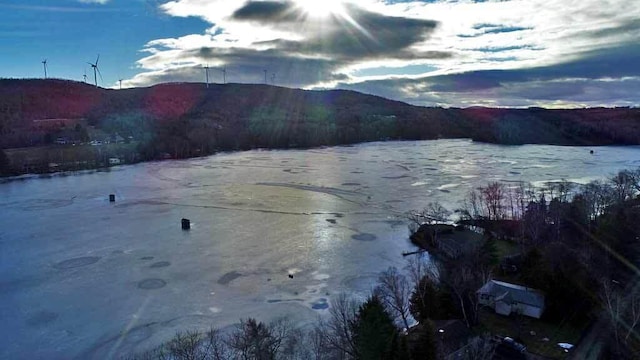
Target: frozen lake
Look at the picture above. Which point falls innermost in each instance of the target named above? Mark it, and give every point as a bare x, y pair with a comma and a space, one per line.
84, 278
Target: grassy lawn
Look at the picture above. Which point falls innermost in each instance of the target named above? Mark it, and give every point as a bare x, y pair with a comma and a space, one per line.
506, 248
522, 327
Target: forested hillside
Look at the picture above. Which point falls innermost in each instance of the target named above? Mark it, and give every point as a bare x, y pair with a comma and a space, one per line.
185, 119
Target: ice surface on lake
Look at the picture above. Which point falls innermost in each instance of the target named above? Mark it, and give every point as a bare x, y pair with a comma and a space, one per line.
84, 278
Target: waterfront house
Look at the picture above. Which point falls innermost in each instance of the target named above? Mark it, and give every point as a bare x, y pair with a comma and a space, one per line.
507, 299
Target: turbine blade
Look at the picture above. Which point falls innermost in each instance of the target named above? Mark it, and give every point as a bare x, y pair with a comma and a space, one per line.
99, 73
97, 59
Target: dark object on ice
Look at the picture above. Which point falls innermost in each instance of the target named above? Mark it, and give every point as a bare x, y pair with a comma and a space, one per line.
290, 276
112, 198
186, 224
591, 152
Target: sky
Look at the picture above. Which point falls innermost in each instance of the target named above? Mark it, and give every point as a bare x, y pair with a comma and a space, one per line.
500, 53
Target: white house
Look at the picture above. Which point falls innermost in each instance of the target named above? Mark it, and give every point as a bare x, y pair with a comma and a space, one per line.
507, 298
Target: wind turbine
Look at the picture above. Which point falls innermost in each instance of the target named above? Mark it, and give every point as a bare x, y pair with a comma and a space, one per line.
44, 64
96, 71
85, 75
265, 76
206, 74
273, 79
120, 81
224, 75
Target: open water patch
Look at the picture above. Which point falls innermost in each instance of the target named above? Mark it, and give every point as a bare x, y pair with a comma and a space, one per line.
160, 264
151, 284
320, 304
277, 301
396, 177
77, 262
364, 237
227, 278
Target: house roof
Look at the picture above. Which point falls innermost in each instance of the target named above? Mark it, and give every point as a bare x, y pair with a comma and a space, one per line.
513, 293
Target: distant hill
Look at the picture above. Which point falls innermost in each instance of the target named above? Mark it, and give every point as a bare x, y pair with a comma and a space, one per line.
185, 119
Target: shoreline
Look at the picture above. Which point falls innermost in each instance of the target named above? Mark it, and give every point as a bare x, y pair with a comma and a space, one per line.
21, 176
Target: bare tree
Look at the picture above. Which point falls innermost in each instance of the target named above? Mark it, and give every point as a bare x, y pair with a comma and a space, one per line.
612, 303
473, 207
186, 346
635, 179
394, 292
289, 340
338, 335
215, 346
624, 185
535, 219
493, 197
433, 213
419, 266
316, 340
464, 277
255, 340
622, 307
598, 196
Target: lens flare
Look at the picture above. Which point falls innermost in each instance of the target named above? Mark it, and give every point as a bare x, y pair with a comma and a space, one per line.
321, 9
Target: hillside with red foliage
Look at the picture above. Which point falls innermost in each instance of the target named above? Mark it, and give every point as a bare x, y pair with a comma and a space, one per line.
189, 118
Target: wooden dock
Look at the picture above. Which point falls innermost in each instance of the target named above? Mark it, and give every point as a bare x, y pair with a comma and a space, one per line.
407, 253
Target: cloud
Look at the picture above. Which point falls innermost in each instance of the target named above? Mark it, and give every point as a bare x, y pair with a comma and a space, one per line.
374, 36
266, 11
606, 77
300, 51
471, 51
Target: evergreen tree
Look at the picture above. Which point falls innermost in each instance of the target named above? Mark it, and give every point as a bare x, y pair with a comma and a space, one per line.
425, 301
400, 348
374, 331
422, 341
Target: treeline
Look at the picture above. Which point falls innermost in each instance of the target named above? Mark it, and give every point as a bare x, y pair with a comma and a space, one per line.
189, 119
579, 244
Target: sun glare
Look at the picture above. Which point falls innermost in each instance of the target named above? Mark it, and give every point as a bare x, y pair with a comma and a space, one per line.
321, 9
